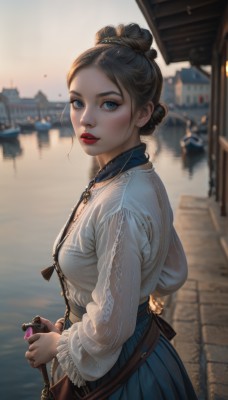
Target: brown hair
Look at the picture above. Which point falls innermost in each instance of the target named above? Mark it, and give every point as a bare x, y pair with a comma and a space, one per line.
125, 55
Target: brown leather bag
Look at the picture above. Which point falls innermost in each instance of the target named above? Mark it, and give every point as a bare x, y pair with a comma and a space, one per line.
65, 390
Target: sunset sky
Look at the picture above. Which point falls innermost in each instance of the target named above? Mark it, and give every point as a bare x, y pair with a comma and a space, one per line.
40, 38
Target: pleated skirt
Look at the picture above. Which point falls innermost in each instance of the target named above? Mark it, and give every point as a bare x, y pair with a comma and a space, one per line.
161, 377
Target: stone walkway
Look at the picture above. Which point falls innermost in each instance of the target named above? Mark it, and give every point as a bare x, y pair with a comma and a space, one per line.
200, 308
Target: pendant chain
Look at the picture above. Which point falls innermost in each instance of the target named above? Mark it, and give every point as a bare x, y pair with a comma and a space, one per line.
87, 192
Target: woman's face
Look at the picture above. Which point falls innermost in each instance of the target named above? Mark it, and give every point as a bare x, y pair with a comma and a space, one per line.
101, 115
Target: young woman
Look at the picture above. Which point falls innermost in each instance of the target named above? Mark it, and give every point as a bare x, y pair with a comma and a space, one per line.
119, 246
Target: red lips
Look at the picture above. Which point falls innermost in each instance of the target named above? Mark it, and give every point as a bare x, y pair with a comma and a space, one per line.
88, 138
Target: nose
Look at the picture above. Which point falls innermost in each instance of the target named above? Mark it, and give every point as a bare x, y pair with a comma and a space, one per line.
88, 117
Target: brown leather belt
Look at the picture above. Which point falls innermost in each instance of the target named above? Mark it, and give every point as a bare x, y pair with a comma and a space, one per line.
64, 389
146, 310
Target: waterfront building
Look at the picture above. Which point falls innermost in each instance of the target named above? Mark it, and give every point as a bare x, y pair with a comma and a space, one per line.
191, 88
3, 112
168, 93
14, 109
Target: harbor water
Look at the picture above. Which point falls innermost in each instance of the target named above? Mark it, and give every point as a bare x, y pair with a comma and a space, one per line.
41, 178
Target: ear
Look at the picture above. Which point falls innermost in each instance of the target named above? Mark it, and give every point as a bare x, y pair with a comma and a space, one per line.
143, 115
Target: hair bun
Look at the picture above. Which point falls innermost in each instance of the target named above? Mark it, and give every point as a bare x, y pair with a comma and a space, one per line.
152, 54
105, 33
159, 113
131, 35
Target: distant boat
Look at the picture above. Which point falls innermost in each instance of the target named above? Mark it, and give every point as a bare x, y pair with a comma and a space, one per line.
26, 126
192, 143
62, 123
42, 125
9, 133
202, 128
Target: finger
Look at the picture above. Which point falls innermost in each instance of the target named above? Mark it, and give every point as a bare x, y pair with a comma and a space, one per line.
46, 321
36, 364
34, 338
32, 364
31, 360
51, 327
59, 326
29, 356
32, 347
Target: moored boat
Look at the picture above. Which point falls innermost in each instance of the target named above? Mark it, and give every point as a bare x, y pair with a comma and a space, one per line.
42, 125
26, 126
192, 143
9, 133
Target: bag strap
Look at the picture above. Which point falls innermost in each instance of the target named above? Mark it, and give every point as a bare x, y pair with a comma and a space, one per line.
142, 351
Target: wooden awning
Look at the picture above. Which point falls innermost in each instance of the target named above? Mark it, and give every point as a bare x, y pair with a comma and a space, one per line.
184, 30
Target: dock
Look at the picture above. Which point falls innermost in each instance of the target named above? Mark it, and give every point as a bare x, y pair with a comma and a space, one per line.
199, 310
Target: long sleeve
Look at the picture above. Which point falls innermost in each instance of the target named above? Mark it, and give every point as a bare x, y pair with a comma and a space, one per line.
174, 271
122, 249
91, 347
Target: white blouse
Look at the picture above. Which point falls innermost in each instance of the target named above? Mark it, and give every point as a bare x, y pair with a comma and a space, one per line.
122, 248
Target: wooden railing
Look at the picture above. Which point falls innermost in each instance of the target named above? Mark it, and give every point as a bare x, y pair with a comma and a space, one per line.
223, 176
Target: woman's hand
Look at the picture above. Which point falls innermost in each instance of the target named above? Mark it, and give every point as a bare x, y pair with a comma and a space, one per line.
42, 347
60, 324
57, 327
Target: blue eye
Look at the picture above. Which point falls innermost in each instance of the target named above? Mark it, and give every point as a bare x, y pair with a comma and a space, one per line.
110, 105
77, 104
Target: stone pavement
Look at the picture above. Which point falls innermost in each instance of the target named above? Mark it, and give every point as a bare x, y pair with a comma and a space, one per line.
200, 307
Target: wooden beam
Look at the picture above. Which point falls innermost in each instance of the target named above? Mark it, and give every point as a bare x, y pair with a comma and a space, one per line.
173, 7
186, 58
204, 41
182, 19
205, 53
223, 30
190, 30
193, 55
206, 17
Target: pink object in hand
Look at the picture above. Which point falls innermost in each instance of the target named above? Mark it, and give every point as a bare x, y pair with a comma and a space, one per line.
28, 333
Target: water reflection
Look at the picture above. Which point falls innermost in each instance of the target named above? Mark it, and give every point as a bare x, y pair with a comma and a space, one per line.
167, 139
166, 144
192, 162
11, 149
34, 206
43, 139
170, 138
66, 132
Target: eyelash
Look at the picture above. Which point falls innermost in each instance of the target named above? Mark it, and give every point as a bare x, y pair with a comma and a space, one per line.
114, 104
76, 101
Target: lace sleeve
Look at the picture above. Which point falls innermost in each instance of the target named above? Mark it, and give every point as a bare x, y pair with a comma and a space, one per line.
90, 348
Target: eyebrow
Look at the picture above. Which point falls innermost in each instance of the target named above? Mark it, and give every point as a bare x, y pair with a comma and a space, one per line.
102, 94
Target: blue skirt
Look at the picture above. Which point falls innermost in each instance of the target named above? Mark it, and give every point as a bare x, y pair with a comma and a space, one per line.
161, 377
